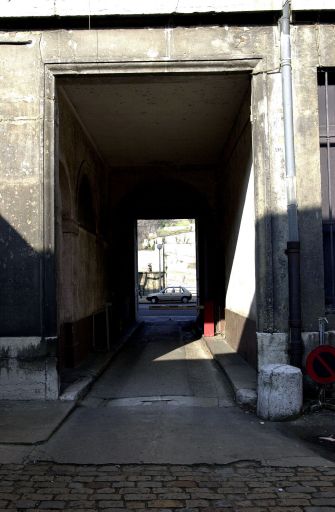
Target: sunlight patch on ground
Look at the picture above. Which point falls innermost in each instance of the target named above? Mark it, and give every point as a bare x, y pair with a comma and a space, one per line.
193, 351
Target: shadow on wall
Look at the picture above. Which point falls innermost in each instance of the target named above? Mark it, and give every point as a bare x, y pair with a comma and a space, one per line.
269, 304
28, 312
240, 312
28, 297
20, 285
240, 332
28, 348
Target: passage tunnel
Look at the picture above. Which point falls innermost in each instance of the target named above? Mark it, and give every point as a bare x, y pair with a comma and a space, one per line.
152, 146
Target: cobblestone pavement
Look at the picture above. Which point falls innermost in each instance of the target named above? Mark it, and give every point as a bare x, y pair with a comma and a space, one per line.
241, 486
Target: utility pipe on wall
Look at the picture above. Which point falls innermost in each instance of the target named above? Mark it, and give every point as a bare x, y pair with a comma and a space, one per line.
293, 243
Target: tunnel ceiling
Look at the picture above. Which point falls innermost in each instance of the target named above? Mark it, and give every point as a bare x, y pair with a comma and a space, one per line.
146, 120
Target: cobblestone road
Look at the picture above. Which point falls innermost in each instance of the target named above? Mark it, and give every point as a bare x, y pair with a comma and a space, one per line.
242, 486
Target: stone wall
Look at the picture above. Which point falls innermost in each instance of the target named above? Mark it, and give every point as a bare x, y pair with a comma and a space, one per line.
80, 161
27, 330
82, 234
30, 64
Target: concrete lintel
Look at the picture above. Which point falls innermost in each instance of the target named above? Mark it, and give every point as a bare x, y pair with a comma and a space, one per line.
226, 63
39, 8
50, 8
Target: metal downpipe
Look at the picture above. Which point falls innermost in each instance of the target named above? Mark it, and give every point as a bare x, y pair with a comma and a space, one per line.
293, 243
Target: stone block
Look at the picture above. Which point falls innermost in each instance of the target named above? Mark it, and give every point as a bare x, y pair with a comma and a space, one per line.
272, 348
247, 397
279, 392
28, 369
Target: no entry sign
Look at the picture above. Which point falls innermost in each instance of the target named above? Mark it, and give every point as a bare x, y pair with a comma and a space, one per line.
320, 364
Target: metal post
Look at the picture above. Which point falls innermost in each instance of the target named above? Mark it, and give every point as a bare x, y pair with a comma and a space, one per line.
322, 329
163, 258
159, 247
293, 243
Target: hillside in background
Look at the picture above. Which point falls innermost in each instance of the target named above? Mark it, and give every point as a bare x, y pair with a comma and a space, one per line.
153, 231
177, 257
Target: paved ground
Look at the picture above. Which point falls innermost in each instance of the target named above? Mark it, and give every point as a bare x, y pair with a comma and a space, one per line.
242, 486
29, 422
165, 400
160, 431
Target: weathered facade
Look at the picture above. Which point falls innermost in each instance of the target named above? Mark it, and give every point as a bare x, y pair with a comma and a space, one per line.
153, 113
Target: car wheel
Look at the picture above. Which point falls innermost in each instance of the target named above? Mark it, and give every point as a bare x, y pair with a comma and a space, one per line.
184, 300
154, 300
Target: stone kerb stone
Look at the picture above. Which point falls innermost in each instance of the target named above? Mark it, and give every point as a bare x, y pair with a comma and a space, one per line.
280, 392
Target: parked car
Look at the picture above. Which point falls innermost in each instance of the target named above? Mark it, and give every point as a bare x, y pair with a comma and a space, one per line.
170, 294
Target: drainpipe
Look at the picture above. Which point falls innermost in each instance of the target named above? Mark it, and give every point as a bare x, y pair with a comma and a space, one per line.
293, 243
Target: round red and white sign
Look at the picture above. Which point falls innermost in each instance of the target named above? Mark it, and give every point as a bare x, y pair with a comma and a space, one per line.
320, 364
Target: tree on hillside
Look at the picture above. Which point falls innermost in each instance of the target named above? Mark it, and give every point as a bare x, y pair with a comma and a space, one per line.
145, 227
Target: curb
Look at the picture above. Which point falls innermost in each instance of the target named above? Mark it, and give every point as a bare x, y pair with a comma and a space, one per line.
78, 389
241, 376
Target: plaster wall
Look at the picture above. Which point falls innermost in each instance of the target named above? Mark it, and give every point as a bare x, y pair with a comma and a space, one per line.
83, 287
313, 47
270, 202
240, 312
237, 215
29, 63
81, 244
22, 241
25, 356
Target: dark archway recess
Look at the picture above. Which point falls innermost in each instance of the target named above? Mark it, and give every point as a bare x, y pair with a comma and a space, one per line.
155, 199
165, 198
86, 211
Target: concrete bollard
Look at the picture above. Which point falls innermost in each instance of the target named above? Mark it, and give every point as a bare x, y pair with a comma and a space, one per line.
279, 392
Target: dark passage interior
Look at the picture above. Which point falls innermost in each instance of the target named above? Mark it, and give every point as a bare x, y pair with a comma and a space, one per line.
152, 146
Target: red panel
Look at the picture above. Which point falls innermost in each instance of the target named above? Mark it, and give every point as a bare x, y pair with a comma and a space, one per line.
209, 319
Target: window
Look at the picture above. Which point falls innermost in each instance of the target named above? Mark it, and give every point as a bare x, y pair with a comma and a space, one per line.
326, 83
